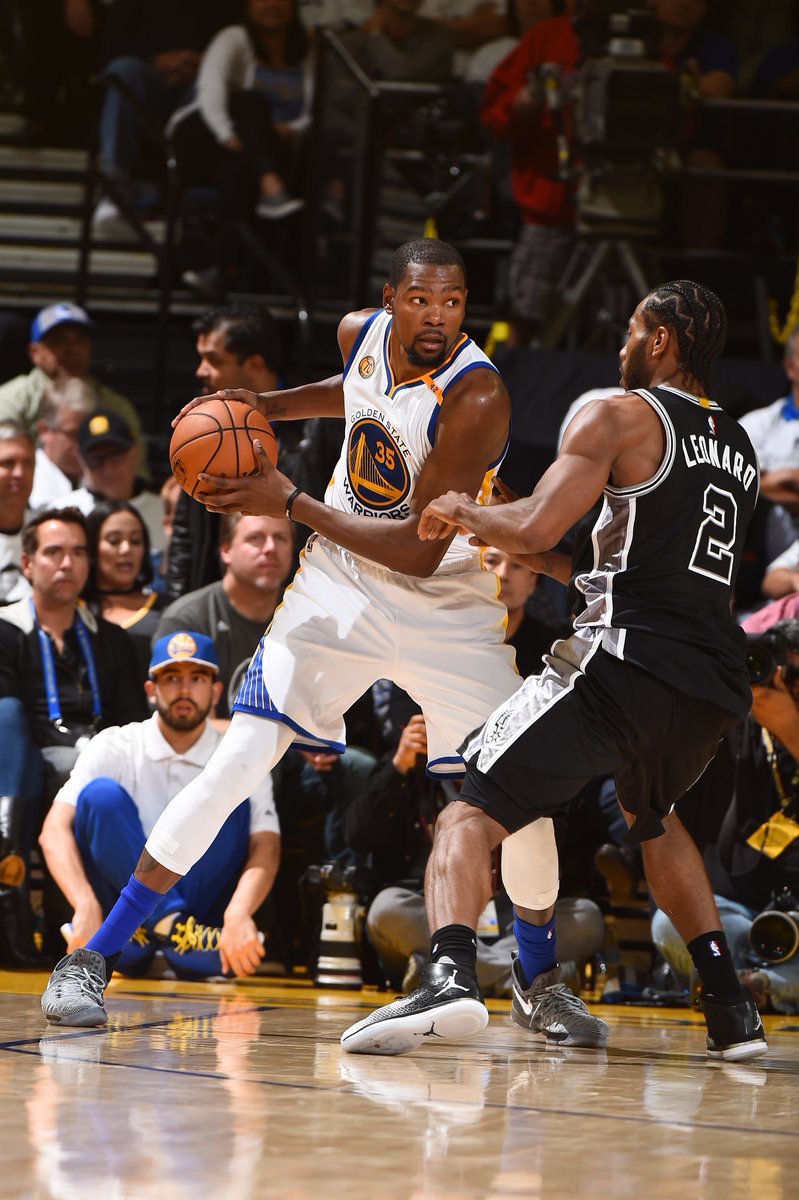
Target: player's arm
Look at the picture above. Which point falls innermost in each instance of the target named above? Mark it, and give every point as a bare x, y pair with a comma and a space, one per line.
553, 563
323, 398
604, 437
239, 945
64, 862
472, 432
781, 487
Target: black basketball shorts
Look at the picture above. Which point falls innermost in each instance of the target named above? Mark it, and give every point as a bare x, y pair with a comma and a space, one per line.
590, 714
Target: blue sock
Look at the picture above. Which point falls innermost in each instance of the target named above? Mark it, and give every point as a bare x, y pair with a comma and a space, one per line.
536, 947
135, 903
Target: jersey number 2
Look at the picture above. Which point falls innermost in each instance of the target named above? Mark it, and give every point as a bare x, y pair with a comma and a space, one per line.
712, 556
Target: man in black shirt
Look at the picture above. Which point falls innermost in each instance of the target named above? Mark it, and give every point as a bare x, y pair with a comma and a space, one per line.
257, 554
64, 674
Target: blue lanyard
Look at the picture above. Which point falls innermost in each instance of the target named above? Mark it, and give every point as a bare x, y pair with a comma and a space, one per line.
789, 410
48, 667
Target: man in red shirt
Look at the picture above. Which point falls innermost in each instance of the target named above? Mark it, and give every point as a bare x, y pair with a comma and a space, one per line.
515, 109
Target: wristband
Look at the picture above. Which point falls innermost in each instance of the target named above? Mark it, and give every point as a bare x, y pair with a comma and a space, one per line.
290, 502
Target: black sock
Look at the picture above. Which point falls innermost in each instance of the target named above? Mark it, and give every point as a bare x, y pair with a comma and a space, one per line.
458, 944
713, 961
111, 961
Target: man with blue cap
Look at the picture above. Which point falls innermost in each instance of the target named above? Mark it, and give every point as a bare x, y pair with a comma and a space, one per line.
121, 783
60, 348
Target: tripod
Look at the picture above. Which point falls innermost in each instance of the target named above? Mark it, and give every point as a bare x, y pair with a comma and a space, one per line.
586, 265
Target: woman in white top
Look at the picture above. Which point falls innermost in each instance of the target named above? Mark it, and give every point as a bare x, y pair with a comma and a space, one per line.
253, 104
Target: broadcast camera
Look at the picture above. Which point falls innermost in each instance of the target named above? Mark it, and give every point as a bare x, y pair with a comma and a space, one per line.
627, 111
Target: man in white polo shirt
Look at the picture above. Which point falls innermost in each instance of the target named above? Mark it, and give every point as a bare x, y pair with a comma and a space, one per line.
122, 782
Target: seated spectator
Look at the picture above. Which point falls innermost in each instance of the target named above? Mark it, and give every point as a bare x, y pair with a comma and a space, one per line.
58, 51
121, 572
154, 48
753, 786
61, 348
64, 405
396, 43
244, 132
472, 22
774, 433
16, 478
257, 554
331, 14
64, 674
786, 609
530, 638
782, 577
170, 493
109, 459
709, 62
521, 16
238, 346
392, 821
760, 30
95, 831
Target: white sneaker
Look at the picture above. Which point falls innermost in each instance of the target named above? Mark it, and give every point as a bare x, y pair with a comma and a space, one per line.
75, 992
108, 222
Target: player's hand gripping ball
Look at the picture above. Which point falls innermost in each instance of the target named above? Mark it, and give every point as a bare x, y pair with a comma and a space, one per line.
216, 437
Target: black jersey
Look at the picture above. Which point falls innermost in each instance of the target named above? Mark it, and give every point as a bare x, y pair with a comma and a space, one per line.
667, 552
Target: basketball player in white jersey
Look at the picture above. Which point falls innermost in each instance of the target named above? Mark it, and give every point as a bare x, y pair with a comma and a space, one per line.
652, 677
425, 411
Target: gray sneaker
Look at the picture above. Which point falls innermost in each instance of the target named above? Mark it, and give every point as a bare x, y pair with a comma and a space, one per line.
547, 1006
74, 995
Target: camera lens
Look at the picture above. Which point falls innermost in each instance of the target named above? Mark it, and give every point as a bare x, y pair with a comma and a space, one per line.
760, 664
774, 936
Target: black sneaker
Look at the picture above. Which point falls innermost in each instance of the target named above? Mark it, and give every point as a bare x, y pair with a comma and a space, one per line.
447, 1004
547, 1006
734, 1031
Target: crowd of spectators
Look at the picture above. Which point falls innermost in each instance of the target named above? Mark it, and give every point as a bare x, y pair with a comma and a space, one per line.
234, 89
103, 579
87, 551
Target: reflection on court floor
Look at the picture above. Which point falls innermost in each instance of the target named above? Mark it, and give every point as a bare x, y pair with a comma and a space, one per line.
238, 1091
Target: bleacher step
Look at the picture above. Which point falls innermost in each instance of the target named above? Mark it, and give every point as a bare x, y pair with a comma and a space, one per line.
60, 260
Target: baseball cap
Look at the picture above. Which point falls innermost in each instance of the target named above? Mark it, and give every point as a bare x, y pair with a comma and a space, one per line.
58, 314
184, 646
104, 428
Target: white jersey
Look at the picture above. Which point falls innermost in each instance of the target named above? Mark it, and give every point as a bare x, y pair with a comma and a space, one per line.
391, 429
140, 759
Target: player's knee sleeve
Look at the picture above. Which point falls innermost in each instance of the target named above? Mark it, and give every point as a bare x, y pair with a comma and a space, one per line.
530, 865
188, 825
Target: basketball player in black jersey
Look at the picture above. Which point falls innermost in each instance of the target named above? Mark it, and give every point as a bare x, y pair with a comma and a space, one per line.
652, 677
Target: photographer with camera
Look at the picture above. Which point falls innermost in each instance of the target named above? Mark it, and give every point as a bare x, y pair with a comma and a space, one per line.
753, 858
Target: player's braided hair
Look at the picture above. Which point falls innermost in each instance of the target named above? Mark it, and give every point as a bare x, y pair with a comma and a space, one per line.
699, 320
426, 252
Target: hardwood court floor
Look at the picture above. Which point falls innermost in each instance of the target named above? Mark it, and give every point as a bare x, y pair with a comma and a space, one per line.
236, 1091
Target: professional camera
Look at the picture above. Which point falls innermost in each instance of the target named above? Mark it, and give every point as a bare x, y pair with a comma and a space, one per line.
774, 933
765, 652
338, 958
626, 117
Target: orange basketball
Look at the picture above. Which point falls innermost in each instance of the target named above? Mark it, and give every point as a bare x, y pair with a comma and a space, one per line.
217, 437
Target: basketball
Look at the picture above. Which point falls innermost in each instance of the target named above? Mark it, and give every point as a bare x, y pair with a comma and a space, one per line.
217, 437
